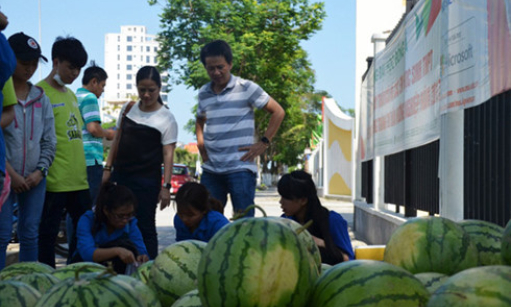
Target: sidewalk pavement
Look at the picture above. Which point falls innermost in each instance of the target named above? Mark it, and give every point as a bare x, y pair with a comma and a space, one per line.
267, 199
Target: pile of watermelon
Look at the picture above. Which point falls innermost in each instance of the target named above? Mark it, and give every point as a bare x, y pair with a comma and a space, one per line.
267, 262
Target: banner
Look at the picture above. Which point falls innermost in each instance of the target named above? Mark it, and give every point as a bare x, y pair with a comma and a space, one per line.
446, 56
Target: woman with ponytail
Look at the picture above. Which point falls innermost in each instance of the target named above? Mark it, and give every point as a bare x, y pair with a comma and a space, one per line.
299, 201
110, 232
145, 140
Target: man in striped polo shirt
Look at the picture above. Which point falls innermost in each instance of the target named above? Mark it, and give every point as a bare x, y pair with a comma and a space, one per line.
225, 128
93, 85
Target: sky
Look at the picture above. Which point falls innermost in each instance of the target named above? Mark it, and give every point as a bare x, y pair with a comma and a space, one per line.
331, 50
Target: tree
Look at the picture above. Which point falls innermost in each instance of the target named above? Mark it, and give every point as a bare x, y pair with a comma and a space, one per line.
265, 38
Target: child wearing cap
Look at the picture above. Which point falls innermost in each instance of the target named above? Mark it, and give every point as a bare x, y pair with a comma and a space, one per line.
30, 149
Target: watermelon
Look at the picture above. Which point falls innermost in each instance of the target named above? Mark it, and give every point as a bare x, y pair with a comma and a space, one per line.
368, 283
91, 290
17, 294
142, 272
307, 240
174, 271
475, 287
143, 292
42, 282
255, 262
22, 268
431, 280
84, 267
431, 244
487, 238
506, 245
190, 299
325, 267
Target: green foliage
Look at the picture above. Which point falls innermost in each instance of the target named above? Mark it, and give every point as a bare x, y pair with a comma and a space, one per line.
265, 38
183, 156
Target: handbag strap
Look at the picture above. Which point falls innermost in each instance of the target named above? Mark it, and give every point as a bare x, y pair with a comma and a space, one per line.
119, 131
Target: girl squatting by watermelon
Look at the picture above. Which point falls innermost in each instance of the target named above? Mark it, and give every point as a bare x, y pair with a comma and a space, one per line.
299, 201
198, 216
110, 233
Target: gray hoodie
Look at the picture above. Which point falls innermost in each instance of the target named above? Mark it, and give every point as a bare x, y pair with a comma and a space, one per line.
30, 139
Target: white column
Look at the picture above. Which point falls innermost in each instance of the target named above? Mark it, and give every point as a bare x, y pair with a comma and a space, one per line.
378, 40
451, 165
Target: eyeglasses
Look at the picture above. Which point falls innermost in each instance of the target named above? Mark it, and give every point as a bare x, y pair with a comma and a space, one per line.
122, 217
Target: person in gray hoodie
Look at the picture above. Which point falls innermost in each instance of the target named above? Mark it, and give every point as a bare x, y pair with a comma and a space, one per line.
30, 149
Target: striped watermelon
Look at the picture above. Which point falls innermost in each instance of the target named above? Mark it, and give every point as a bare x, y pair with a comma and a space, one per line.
143, 292
431, 280
42, 282
475, 287
22, 268
91, 290
368, 283
255, 262
142, 273
84, 267
190, 299
325, 267
431, 244
17, 294
174, 271
307, 240
487, 237
506, 245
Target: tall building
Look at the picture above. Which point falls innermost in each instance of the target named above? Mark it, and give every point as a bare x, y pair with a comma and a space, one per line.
125, 53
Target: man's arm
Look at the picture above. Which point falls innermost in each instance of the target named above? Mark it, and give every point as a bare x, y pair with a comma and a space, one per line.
96, 130
199, 131
277, 115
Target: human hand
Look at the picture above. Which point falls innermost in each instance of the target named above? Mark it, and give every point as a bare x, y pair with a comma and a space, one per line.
110, 134
18, 184
164, 198
34, 178
142, 258
125, 255
319, 242
253, 151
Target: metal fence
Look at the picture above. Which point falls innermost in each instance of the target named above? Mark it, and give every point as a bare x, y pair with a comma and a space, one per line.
487, 161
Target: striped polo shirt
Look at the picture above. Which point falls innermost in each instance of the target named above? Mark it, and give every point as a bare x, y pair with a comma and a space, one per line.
89, 108
230, 123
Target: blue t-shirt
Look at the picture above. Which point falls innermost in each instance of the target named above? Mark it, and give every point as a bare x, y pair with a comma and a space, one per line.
88, 243
339, 232
209, 225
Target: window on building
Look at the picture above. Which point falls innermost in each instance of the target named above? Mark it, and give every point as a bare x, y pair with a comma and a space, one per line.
118, 66
154, 60
118, 85
129, 76
141, 48
147, 48
118, 57
118, 47
129, 38
148, 59
129, 58
128, 86
118, 76
155, 49
129, 48
118, 38
129, 67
